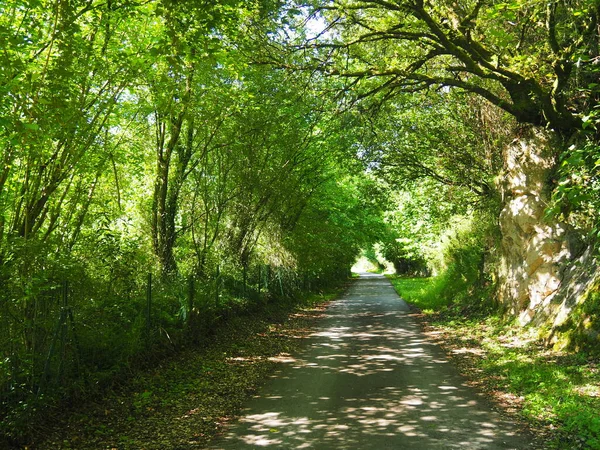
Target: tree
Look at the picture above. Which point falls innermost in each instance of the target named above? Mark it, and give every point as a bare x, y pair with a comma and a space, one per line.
60, 86
439, 136
137, 138
344, 216
528, 58
185, 123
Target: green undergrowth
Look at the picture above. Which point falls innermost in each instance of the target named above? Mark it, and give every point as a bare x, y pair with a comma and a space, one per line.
556, 392
419, 292
184, 401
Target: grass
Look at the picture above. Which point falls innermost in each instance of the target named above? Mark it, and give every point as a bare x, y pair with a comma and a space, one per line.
419, 292
557, 393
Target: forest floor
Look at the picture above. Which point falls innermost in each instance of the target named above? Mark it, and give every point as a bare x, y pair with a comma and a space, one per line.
185, 400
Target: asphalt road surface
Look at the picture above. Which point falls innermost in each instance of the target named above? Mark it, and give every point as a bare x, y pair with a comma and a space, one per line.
369, 379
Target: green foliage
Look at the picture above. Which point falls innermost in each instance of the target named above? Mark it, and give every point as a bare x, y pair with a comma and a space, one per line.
335, 225
464, 259
183, 398
464, 278
528, 58
576, 197
553, 391
149, 138
406, 259
416, 223
370, 254
140, 138
445, 138
558, 391
439, 155
581, 330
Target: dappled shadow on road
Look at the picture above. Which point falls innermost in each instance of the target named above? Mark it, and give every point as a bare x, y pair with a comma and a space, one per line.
369, 379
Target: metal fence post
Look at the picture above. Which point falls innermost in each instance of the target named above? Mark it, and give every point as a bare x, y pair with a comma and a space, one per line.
217, 279
149, 304
280, 282
268, 277
245, 281
259, 278
191, 293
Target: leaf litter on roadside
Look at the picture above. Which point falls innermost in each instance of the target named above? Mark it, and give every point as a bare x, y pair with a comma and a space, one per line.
186, 400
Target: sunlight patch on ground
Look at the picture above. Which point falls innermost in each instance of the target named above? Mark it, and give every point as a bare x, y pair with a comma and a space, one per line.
589, 390
473, 351
282, 358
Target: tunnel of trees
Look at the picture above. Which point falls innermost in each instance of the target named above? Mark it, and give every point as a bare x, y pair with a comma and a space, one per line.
165, 163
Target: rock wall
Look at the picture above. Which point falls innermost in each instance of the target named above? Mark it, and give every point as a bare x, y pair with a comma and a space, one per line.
534, 251
572, 317
548, 277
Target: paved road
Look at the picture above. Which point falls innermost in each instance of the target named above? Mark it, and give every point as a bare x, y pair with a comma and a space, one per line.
369, 379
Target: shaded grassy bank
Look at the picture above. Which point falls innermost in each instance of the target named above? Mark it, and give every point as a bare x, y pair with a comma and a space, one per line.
185, 400
557, 393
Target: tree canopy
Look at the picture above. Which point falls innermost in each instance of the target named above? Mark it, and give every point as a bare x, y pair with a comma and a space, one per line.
165, 163
535, 60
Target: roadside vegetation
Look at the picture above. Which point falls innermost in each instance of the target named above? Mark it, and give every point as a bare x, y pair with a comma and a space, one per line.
556, 391
155, 183
552, 387
184, 400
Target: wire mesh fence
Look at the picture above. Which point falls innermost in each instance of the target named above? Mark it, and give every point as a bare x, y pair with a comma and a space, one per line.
59, 336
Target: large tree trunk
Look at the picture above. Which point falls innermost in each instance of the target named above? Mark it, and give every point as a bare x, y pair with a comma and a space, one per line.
545, 269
